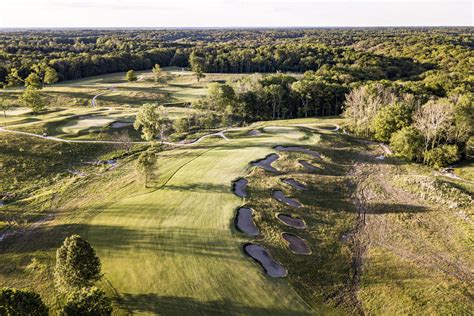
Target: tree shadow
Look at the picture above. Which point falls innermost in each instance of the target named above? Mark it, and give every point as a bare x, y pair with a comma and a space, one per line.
173, 305
397, 208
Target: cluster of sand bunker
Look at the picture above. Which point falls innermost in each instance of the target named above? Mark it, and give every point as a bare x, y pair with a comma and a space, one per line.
240, 187
296, 244
262, 256
292, 221
280, 196
295, 184
266, 163
298, 149
245, 222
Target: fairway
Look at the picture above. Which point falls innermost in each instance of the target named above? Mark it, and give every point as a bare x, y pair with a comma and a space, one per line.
175, 250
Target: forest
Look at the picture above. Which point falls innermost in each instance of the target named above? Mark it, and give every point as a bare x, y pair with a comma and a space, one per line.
379, 78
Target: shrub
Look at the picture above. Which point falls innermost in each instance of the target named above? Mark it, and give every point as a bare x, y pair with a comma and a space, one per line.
390, 119
21, 302
407, 143
441, 156
131, 76
87, 301
77, 265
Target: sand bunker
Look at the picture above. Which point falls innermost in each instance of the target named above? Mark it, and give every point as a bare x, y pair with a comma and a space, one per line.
261, 255
240, 187
121, 124
245, 222
296, 244
298, 149
291, 221
266, 163
255, 132
295, 184
280, 196
308, 166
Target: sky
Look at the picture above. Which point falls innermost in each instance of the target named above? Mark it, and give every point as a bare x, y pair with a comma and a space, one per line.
234, 13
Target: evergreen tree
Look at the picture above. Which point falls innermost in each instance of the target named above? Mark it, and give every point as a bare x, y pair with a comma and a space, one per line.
77, 265
15, 302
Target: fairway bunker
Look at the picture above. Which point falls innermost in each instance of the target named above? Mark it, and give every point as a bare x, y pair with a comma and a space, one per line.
298, 149
255, 132
245, 222
280, 196
292, 221
295, 184
240, 187
296, 244
261, 255
308, 165
266, 163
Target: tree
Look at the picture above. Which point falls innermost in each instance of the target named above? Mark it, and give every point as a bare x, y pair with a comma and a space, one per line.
164, 123
157, 73
390, 119
77, 265
181, 125
220, 97
4, 105
434, 121
125, 140
147, 120
31, 98
197, 65
362, 105
154, 121
14, 79
131, 76
87, 301
407, 143
275, 93
50, 76
33, 81
21, 302
441, 156
146, 164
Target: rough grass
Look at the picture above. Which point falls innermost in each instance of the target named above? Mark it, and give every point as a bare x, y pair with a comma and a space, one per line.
173, 248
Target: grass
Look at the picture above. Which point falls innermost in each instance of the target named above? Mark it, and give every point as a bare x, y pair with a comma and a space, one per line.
70, 114
173, 248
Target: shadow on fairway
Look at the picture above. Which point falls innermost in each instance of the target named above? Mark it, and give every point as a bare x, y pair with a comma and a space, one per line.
172, 305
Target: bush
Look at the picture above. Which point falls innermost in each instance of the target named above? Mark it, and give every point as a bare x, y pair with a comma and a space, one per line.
77, 265
441, 156
390, 119
21, 302
87, 301
407, 143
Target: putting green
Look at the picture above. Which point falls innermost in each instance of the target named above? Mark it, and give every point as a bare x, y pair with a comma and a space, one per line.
174, 250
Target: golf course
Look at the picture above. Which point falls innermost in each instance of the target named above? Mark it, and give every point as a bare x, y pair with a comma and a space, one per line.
275, 217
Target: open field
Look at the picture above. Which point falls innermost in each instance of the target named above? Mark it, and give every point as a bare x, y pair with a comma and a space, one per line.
72, 114
173, 248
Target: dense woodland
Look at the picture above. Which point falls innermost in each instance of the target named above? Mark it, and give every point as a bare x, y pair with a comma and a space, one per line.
382, 79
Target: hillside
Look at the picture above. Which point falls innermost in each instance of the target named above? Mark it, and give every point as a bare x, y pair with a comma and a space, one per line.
377, 228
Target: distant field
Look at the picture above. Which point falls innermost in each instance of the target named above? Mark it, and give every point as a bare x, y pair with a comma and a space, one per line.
70, 113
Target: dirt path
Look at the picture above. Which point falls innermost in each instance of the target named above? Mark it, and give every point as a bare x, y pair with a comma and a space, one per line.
93, 102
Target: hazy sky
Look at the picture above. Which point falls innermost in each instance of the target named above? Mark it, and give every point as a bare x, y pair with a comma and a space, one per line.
201, 13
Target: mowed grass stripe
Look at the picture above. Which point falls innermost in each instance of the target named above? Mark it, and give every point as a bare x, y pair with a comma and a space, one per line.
172, 251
